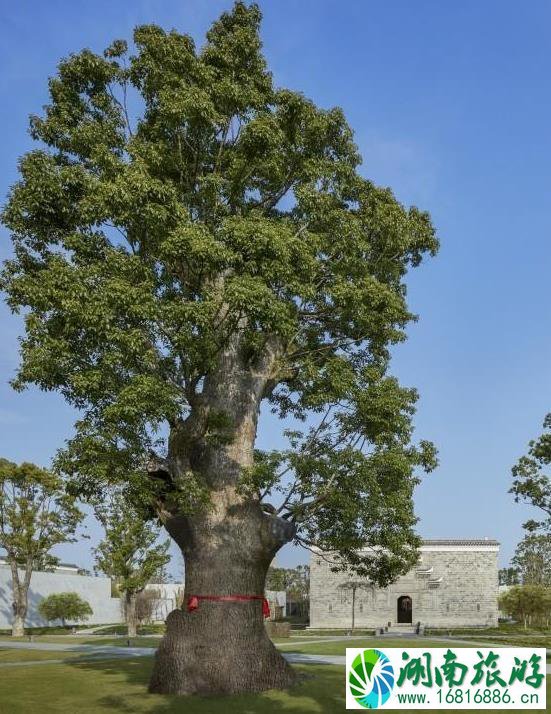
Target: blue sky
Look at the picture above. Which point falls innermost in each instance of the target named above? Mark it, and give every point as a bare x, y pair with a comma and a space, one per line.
451, 107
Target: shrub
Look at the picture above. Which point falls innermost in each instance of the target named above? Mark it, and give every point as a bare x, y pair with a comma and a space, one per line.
65, 606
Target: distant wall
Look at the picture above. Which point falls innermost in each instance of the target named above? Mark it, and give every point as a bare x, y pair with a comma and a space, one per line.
96, 591
168, 599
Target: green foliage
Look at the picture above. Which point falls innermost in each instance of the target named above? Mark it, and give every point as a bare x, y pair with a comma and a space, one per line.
295, 581
527, 603
129, 554
532, 559
64, 606
36, 514
180, 203
508, 576
531, 483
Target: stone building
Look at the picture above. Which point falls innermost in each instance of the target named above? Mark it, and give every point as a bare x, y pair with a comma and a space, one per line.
454, 584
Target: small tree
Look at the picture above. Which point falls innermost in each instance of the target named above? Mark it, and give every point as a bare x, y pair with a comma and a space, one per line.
527, 603
295, 582
353, 586
128, 553
532, 559
36, 514
65, 606
299, 590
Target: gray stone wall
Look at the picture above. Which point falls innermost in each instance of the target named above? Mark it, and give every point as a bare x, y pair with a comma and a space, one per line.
96, 591
451, 586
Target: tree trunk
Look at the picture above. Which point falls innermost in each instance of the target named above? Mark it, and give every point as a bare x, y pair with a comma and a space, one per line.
130, 610
18, 625
19, 601
222, 647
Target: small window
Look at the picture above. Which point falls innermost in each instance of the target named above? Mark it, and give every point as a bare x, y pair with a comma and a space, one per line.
330, 608
478, 607
361, 607
448, 607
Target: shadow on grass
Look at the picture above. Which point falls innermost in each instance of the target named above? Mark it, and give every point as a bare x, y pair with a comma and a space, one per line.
320, 690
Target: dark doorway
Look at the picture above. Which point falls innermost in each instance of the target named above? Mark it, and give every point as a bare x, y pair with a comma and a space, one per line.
404, 609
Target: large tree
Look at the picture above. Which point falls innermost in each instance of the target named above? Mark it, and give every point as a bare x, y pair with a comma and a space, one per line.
129, 554
36, 514
190, 242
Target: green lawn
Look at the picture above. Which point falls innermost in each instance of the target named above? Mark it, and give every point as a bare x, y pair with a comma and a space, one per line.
52, 630
518, 640
10, 655
120, 686
339, 648
330, 633
89, 640
142, 630
503, 629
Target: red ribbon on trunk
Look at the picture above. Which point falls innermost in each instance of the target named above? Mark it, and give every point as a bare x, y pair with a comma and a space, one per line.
193, 601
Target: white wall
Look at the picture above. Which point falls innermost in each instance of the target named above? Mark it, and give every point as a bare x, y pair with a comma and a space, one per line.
96, 591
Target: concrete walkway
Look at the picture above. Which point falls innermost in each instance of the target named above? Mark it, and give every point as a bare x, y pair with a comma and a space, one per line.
91, 652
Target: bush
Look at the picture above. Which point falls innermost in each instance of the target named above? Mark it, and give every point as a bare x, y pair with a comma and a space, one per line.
65, 606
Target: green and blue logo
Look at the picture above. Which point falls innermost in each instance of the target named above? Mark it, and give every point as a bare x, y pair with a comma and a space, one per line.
371, 679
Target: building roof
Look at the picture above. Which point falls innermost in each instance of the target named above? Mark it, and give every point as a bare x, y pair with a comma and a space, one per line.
62, 566
461, 541
68, 565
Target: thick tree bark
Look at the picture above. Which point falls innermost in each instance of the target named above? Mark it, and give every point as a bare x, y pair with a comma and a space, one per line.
222, 647
130, 611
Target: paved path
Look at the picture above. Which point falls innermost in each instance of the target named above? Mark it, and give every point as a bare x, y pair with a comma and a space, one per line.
91, 652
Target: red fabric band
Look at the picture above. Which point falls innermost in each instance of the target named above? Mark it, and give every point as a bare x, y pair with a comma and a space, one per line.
193, 601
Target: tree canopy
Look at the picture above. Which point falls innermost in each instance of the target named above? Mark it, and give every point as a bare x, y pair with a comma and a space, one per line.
527, 603
129, 553
65, 606
181, 208
531, 483
532, 559
36, 514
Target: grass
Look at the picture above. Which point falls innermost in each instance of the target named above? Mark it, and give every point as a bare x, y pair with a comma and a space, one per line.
94, 640
507, 629
122, 630
52, 630
121, 687
339, 648
11, 655
332, 633
515, 640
